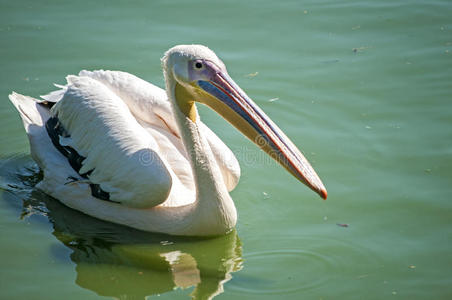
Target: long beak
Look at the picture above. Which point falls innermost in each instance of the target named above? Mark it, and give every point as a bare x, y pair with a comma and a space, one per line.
225, 97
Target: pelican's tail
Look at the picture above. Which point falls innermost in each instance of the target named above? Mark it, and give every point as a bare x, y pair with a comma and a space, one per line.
34, 114
35, 111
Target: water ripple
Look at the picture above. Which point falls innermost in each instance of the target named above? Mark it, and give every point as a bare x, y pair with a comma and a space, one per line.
289, 264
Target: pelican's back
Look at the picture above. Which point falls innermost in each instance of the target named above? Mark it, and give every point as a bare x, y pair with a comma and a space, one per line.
115, 147
124, 132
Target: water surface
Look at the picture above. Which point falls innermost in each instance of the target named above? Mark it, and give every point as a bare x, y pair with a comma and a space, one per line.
363, 87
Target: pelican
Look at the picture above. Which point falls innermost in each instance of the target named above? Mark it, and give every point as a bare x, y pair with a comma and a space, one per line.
120, 149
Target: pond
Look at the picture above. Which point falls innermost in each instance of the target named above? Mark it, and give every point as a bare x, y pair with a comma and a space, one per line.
362, 87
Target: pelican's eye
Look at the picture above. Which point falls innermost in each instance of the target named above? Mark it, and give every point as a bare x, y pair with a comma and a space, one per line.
199, 65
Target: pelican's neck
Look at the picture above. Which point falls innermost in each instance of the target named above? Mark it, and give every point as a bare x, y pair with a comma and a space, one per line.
214, 209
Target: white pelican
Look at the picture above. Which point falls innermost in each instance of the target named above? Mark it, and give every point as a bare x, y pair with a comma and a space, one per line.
120, 149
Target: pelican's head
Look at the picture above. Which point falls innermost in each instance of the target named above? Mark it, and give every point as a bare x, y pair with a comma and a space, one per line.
198, 75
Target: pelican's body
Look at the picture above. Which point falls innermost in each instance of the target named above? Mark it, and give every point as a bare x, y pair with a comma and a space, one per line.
123, 150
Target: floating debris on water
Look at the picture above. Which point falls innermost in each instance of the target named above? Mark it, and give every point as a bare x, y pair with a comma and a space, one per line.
273, 99
252, 74
342, 224
360, 49
396, 126
356, 27
331, 61
412, 266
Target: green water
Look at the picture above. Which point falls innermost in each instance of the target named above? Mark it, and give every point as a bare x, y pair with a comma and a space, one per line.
363, 87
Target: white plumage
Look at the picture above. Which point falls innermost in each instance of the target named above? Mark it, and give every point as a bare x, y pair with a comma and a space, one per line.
125, 128
163, 169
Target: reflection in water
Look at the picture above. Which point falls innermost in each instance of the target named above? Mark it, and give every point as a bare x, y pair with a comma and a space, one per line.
125, 263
